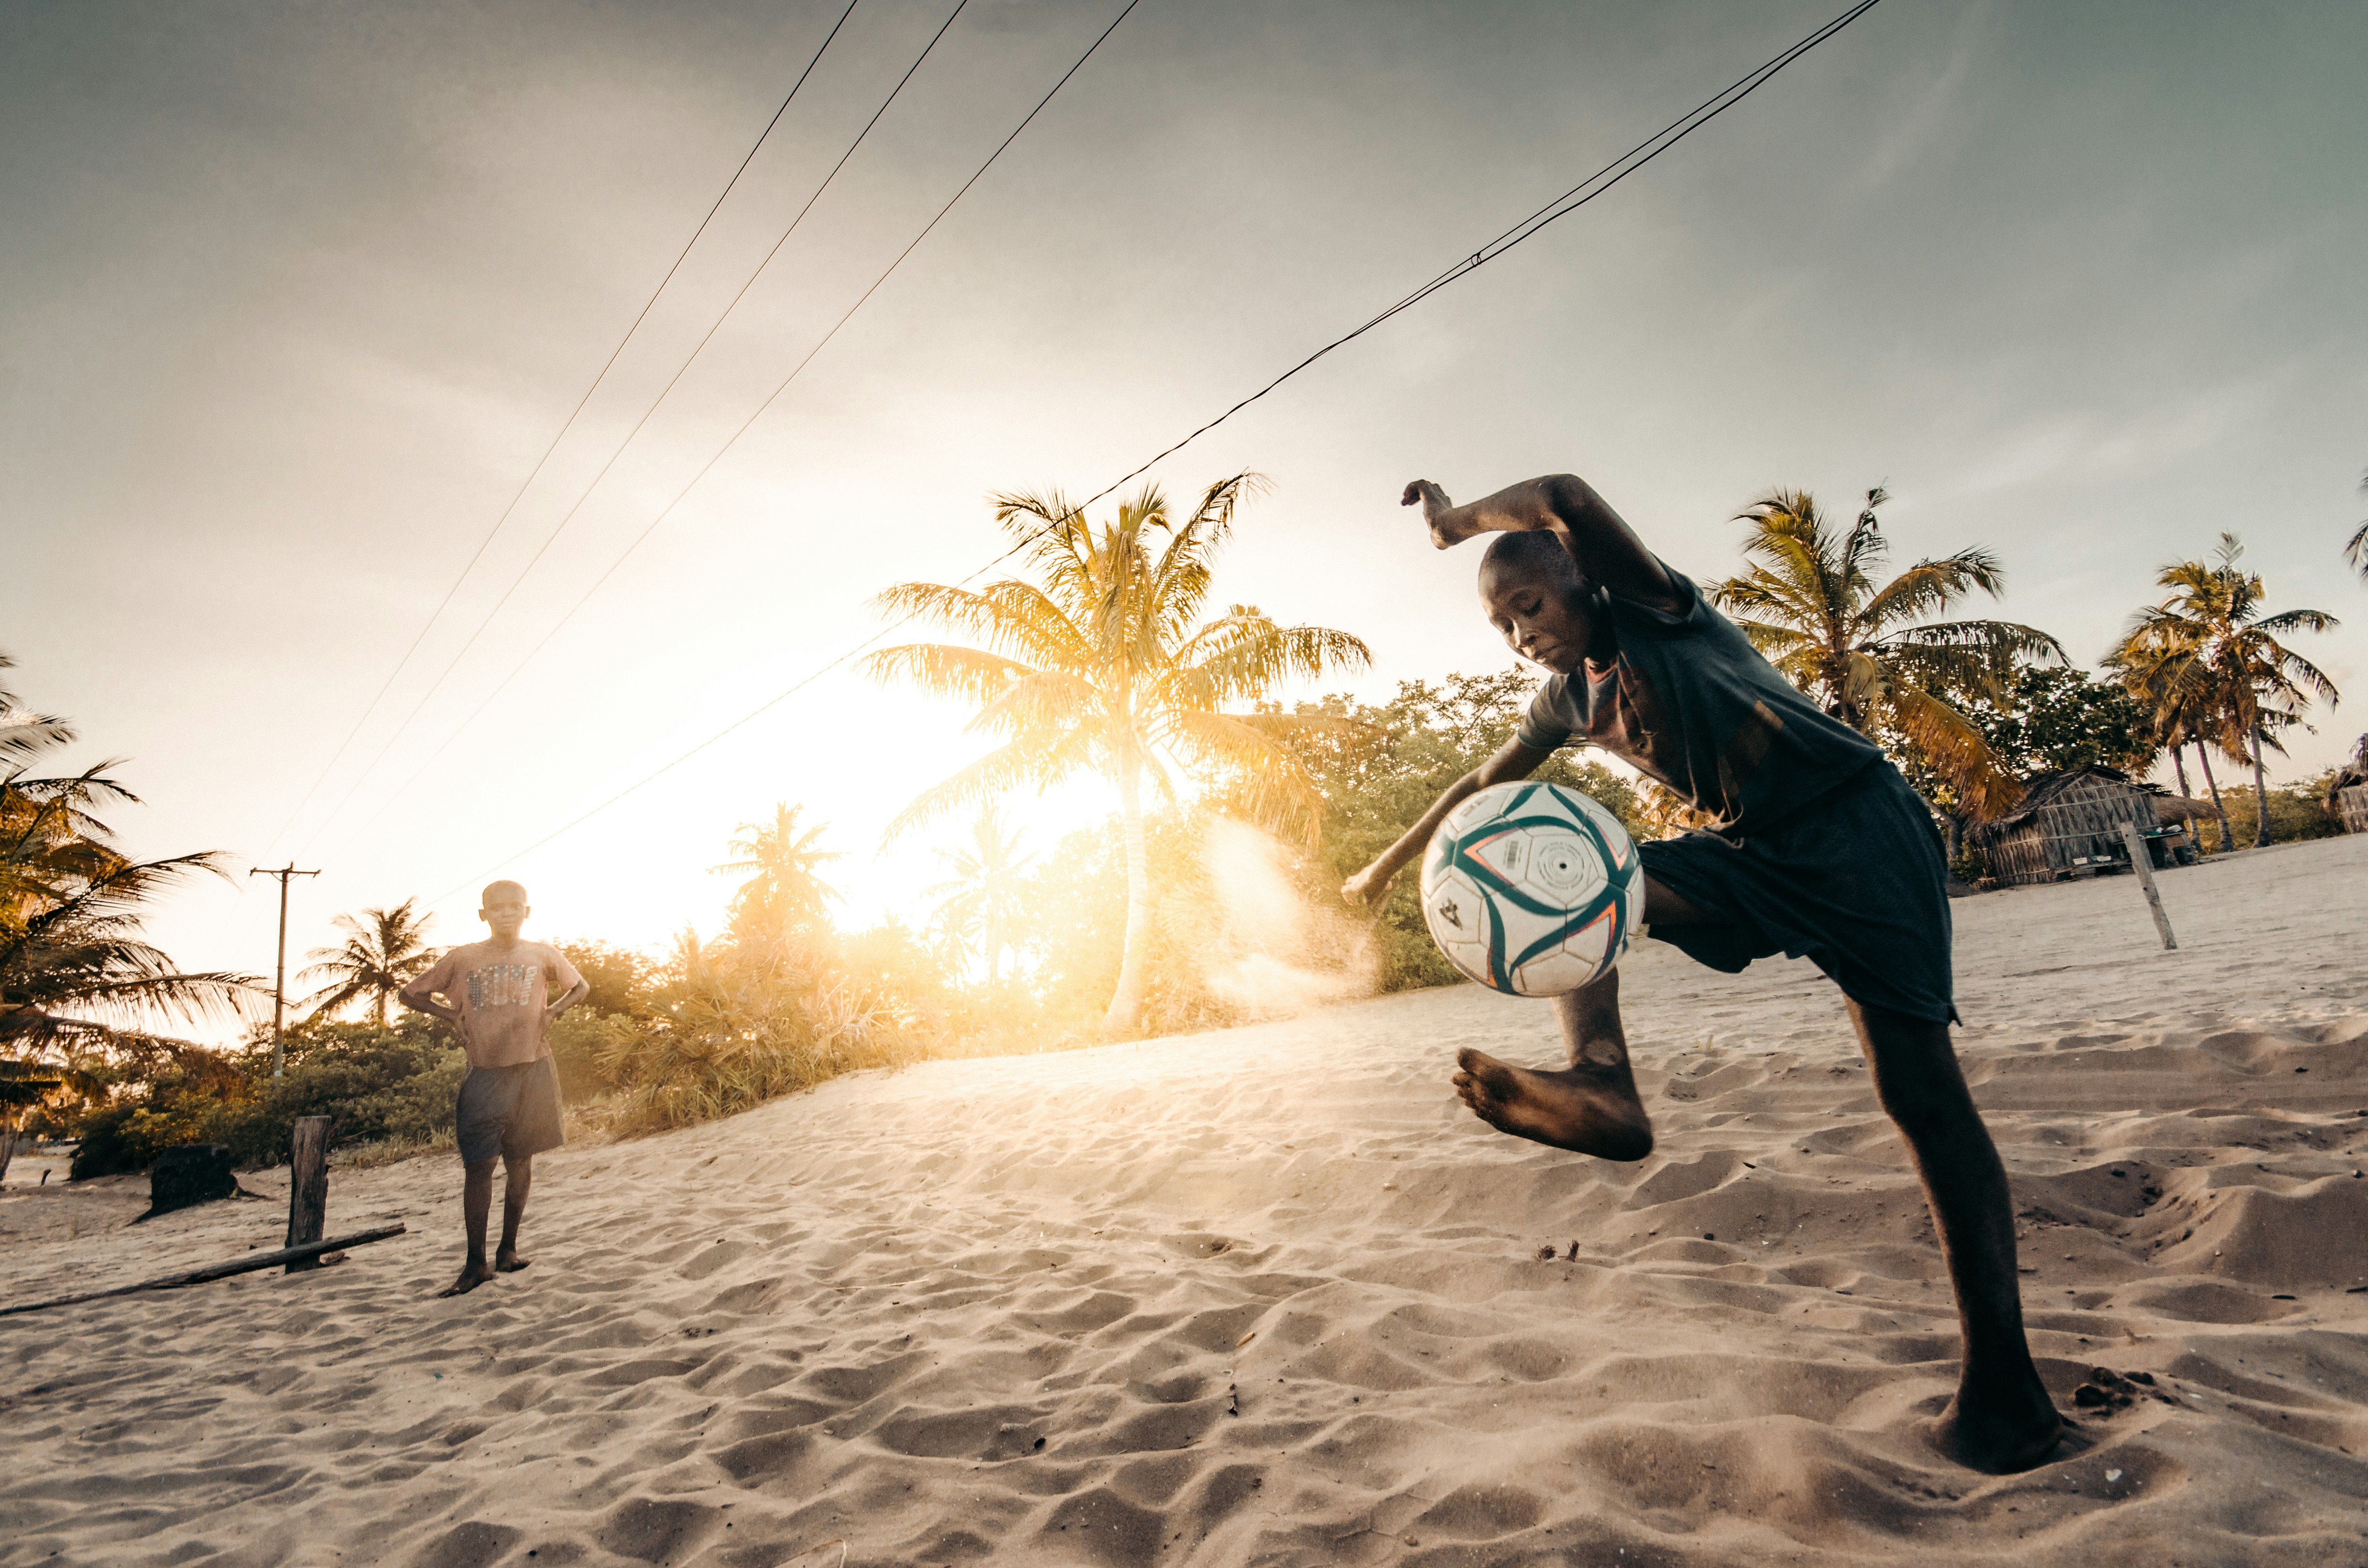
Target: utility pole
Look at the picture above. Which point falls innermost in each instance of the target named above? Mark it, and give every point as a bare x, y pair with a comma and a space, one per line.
280, 980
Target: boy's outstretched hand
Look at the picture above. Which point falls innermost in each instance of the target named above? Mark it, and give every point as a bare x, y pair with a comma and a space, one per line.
1366, 887
1446, 529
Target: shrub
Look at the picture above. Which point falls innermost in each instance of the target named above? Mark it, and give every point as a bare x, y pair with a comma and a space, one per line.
582, 1040
743, 1021
363, 1104
128, 1135
375, 1084
2297, 811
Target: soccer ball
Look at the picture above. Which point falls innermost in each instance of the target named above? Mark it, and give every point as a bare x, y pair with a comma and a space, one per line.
1532, 888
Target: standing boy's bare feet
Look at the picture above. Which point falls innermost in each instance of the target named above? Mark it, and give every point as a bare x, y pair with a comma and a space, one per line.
1591, 1109
507, 1261
471, 1276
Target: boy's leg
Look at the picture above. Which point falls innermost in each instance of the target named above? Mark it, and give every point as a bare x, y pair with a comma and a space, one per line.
2001, 1419
476, 1206
1592, 1106
519, 1173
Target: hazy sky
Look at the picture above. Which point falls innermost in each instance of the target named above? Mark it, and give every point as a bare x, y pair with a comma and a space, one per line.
295, 295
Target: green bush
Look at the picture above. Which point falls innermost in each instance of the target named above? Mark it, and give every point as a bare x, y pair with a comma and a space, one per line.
128, 1135
746, 1020
363, 1106
375, 1084
2297, 811
581, 1039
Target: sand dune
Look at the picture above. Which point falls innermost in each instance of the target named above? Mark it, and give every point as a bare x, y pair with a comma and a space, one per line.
1272, 1297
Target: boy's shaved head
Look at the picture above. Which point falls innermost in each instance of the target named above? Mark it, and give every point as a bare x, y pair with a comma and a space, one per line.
496, 890
1536, 596
1530, 555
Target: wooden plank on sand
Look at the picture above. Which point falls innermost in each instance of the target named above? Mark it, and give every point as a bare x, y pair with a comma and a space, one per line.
247, 1265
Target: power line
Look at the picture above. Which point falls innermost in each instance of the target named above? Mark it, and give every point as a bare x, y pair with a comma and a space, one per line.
1561, 207
647, 414
1578, 196
772, 398
1569, 201
574, 415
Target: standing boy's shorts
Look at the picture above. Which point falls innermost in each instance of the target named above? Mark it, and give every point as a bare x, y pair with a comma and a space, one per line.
1853, 882
510, 1111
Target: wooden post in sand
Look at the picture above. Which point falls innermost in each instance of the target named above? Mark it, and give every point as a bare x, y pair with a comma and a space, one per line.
308, 1186
2143, 864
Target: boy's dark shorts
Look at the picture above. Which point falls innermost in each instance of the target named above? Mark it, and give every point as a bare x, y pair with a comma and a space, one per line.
510, 1111
1853, 882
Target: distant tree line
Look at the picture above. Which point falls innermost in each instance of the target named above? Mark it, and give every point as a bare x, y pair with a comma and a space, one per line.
1100, 658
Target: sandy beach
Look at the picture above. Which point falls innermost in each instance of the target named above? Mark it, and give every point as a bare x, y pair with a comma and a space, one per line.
1270, 1296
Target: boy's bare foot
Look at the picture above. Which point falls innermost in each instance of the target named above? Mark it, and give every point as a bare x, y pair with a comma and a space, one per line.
1998, 1438
471, 1276
1591, 1110
506, 1262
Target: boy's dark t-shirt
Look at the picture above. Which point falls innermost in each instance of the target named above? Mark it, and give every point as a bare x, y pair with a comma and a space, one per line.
1692, 704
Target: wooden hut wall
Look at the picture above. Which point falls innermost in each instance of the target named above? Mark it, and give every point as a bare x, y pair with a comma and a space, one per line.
2079, 827
2351, 805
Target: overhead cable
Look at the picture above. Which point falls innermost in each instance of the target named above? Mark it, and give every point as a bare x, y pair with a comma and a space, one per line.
1578, 196
681, 371
607, 365
794, 370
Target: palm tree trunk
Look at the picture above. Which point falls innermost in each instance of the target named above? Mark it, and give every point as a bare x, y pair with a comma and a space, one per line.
2227, 835
1126, 1004
2261, 797
2179, 767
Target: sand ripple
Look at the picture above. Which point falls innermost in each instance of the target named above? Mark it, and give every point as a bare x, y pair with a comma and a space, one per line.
1270, 1296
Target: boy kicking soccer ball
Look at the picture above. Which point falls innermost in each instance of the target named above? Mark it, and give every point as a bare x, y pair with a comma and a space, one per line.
499, 996
1819, 850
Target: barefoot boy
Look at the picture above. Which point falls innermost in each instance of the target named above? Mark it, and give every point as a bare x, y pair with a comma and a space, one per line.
1820, 850
499, 996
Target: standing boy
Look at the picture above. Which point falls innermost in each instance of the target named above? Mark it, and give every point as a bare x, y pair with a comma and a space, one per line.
498, 994
1819, 850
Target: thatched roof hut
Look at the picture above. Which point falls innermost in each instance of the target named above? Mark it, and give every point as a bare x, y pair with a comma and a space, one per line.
2070, 825
2169, 809
2352, 806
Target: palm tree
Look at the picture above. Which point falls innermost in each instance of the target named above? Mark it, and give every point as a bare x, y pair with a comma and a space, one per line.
75, 978
2179, 702
1107, 667
1810, 602
25, 735
982, 892
2212, 664
783, 892
383, 951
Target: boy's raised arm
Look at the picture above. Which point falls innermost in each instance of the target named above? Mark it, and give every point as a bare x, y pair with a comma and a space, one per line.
1513, 760
1607, 551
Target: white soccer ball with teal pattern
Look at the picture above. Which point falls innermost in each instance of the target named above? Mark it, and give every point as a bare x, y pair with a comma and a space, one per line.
1532, 888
